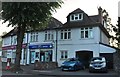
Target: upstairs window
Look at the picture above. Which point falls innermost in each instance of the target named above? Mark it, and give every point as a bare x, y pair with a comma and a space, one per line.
76, 17
49, 35
86, 32
34, 37
66, 34
14, 40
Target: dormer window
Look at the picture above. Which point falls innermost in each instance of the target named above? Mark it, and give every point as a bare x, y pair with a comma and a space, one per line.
76, 17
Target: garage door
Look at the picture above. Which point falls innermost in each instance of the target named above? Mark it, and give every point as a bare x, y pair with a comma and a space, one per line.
109, 58
84, 56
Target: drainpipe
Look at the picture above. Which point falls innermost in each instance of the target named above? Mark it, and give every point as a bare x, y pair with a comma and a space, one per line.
56, 44
27, 54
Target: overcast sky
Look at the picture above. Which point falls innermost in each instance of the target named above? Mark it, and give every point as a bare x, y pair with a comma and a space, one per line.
88, 6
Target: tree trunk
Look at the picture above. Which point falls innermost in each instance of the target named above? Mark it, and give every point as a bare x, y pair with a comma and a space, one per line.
20, 36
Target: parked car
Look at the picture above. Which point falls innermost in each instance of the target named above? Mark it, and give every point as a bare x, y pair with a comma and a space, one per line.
98, 64
72, 64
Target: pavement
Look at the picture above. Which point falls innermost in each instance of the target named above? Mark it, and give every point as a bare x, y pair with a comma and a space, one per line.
29, 70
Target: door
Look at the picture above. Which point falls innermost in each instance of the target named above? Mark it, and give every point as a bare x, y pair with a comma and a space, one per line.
46, 56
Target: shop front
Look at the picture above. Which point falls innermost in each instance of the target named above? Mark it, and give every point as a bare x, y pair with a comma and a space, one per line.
41, 52
9, 52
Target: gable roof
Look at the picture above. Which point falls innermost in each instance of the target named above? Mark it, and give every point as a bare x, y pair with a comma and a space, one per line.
78, 10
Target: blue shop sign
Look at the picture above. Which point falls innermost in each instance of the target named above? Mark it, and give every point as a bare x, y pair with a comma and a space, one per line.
41, 46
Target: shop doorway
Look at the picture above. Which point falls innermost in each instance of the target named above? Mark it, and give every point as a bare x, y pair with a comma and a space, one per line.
46, 56
34, 56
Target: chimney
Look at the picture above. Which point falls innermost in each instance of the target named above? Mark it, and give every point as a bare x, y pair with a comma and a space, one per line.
100, 14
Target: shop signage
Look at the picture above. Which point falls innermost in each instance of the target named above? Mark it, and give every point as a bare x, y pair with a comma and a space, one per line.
12, 47
41, 46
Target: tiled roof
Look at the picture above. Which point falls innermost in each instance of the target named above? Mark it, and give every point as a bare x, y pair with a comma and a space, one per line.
54, 23
78, 10
88, 21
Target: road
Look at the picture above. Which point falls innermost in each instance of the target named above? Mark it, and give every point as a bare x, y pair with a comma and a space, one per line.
100, 75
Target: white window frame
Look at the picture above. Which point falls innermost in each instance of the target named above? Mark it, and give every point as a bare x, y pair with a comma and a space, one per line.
34, 37
76, 15
65, 34
15, 40
85, 30
63, 54
49, 35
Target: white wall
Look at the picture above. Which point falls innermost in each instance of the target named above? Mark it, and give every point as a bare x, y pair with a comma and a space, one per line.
75, 38
104, 38
6, 41
77, 47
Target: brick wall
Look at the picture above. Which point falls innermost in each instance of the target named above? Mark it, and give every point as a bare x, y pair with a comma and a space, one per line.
45, 65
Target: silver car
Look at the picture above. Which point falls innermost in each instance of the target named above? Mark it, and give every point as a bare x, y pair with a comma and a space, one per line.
98, 64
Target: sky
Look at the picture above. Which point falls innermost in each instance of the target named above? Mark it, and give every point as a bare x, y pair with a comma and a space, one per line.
88, 6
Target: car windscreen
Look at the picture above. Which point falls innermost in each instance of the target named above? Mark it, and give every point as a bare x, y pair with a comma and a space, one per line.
71, 60
97, 58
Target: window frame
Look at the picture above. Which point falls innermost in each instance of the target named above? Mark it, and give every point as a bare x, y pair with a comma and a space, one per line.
65, 34
86, 33
63, 54
34, 37
49, 35
76, 17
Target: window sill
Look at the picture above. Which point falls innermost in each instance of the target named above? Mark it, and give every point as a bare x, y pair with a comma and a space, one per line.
65, 39
33, 41
86, 38
76, 20
48, 40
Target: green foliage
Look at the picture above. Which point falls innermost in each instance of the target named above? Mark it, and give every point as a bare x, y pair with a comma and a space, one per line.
32, 14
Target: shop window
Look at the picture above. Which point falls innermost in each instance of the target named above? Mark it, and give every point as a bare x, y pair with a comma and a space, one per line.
66, 34
4, 54
37, 55
64, 54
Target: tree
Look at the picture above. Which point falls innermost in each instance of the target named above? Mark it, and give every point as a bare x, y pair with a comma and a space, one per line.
117, 56
115, 39
26, 15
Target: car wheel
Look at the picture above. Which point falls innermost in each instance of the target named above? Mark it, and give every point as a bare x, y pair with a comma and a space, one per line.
62, 69
75, 67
